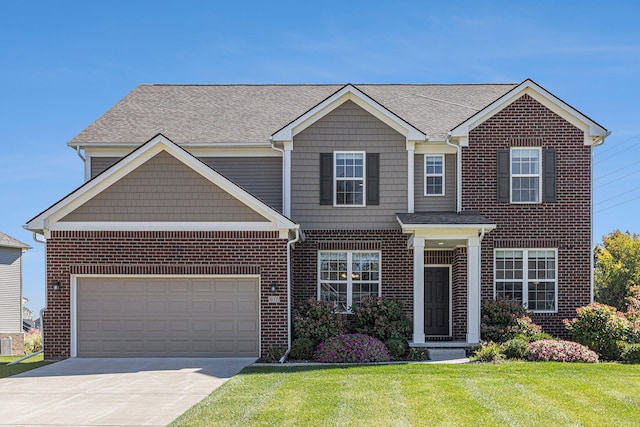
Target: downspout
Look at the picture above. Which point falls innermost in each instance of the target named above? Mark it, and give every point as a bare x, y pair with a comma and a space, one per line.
84, 159
290, 243
595, 144
458, 173
29, 356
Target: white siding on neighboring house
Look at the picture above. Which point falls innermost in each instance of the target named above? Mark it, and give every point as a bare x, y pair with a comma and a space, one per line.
10, 290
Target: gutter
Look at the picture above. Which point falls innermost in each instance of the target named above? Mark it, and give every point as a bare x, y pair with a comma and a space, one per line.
458, 172
290, 243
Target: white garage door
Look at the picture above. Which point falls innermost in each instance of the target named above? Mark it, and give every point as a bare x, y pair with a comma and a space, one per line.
167, 317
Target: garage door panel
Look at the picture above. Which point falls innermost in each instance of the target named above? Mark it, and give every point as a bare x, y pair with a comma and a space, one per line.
176, 317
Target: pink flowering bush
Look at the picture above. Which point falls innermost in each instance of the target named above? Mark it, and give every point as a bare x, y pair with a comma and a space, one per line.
560, 351
318, 320
351, 348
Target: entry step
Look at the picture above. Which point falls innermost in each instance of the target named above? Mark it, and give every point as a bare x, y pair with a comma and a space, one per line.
447, 353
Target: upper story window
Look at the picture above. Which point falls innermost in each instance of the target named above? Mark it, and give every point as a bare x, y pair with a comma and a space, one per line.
344, 278
526, 180
350, 179
526, 175
433, 175
528, 276
349, 175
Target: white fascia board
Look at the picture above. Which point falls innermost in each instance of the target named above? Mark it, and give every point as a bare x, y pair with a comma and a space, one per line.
348, 93
435, 149
591, 129
138, 158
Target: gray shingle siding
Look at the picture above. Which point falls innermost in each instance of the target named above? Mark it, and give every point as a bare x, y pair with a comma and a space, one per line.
444, 203
260, 176
348, 128
163, 189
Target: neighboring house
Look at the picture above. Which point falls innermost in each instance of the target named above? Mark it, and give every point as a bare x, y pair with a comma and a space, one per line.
11, 294
211, 212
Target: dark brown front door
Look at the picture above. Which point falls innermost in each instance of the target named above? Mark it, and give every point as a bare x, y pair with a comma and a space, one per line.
436, 301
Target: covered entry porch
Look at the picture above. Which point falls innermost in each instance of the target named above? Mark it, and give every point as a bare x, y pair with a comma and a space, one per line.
446, 274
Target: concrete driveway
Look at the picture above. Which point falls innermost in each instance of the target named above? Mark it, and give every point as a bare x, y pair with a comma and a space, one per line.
111, 392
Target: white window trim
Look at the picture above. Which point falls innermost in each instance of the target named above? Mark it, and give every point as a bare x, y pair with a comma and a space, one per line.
349, 271
531, 175
364, 179
425, 174
525, 276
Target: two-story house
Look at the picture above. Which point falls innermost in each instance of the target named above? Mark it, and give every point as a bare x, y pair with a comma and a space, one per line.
11, 301
210, 211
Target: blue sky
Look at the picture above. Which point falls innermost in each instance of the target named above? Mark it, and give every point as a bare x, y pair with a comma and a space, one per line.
64, 63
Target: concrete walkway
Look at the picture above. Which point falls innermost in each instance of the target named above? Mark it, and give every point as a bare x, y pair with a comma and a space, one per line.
111, 392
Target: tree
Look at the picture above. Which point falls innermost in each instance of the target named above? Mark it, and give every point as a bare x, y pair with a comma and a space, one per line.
617, 263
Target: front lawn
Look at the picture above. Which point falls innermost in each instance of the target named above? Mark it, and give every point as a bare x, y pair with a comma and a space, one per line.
27, 365
509, 394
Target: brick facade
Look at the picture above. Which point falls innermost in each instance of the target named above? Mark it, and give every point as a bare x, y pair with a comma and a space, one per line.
564, 224
396, 261
163, 252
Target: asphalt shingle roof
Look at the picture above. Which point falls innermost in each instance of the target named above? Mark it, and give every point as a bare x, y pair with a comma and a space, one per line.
251, 113
10, 242
468, 217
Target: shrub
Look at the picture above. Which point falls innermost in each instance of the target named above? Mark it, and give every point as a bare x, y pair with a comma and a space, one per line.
540, 336
397, 347
630, 353
302, 348
503, 319
273, 354
561, 351
516, 348
381, 318
418, 353
318, 321
599, 327
351, 348
633, 304
33, 341
488, 352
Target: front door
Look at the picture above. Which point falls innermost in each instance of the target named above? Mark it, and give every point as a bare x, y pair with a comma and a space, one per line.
436, 301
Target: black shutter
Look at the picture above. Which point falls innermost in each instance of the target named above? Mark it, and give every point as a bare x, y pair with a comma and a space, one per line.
549, 175
326, 178
503, 176
373, 179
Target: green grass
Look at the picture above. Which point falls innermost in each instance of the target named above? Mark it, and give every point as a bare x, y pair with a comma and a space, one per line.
27, 365
509, 394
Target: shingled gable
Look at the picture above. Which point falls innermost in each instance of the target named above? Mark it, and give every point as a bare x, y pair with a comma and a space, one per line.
349, 93
593, 131
51, 218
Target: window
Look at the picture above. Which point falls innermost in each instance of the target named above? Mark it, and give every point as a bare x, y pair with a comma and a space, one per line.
344, 278
349, 178
526, 183
528, 276
433, 175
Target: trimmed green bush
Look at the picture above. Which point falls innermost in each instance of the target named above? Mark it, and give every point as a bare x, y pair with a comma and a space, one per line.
351, 348
302, 348
488, 352
630, 353
600, 327
397, 347
418, 353
318, 321
504, 319
381, 318
516, 348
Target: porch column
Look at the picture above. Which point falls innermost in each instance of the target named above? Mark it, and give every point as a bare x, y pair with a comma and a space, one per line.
418, 289
473, 290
